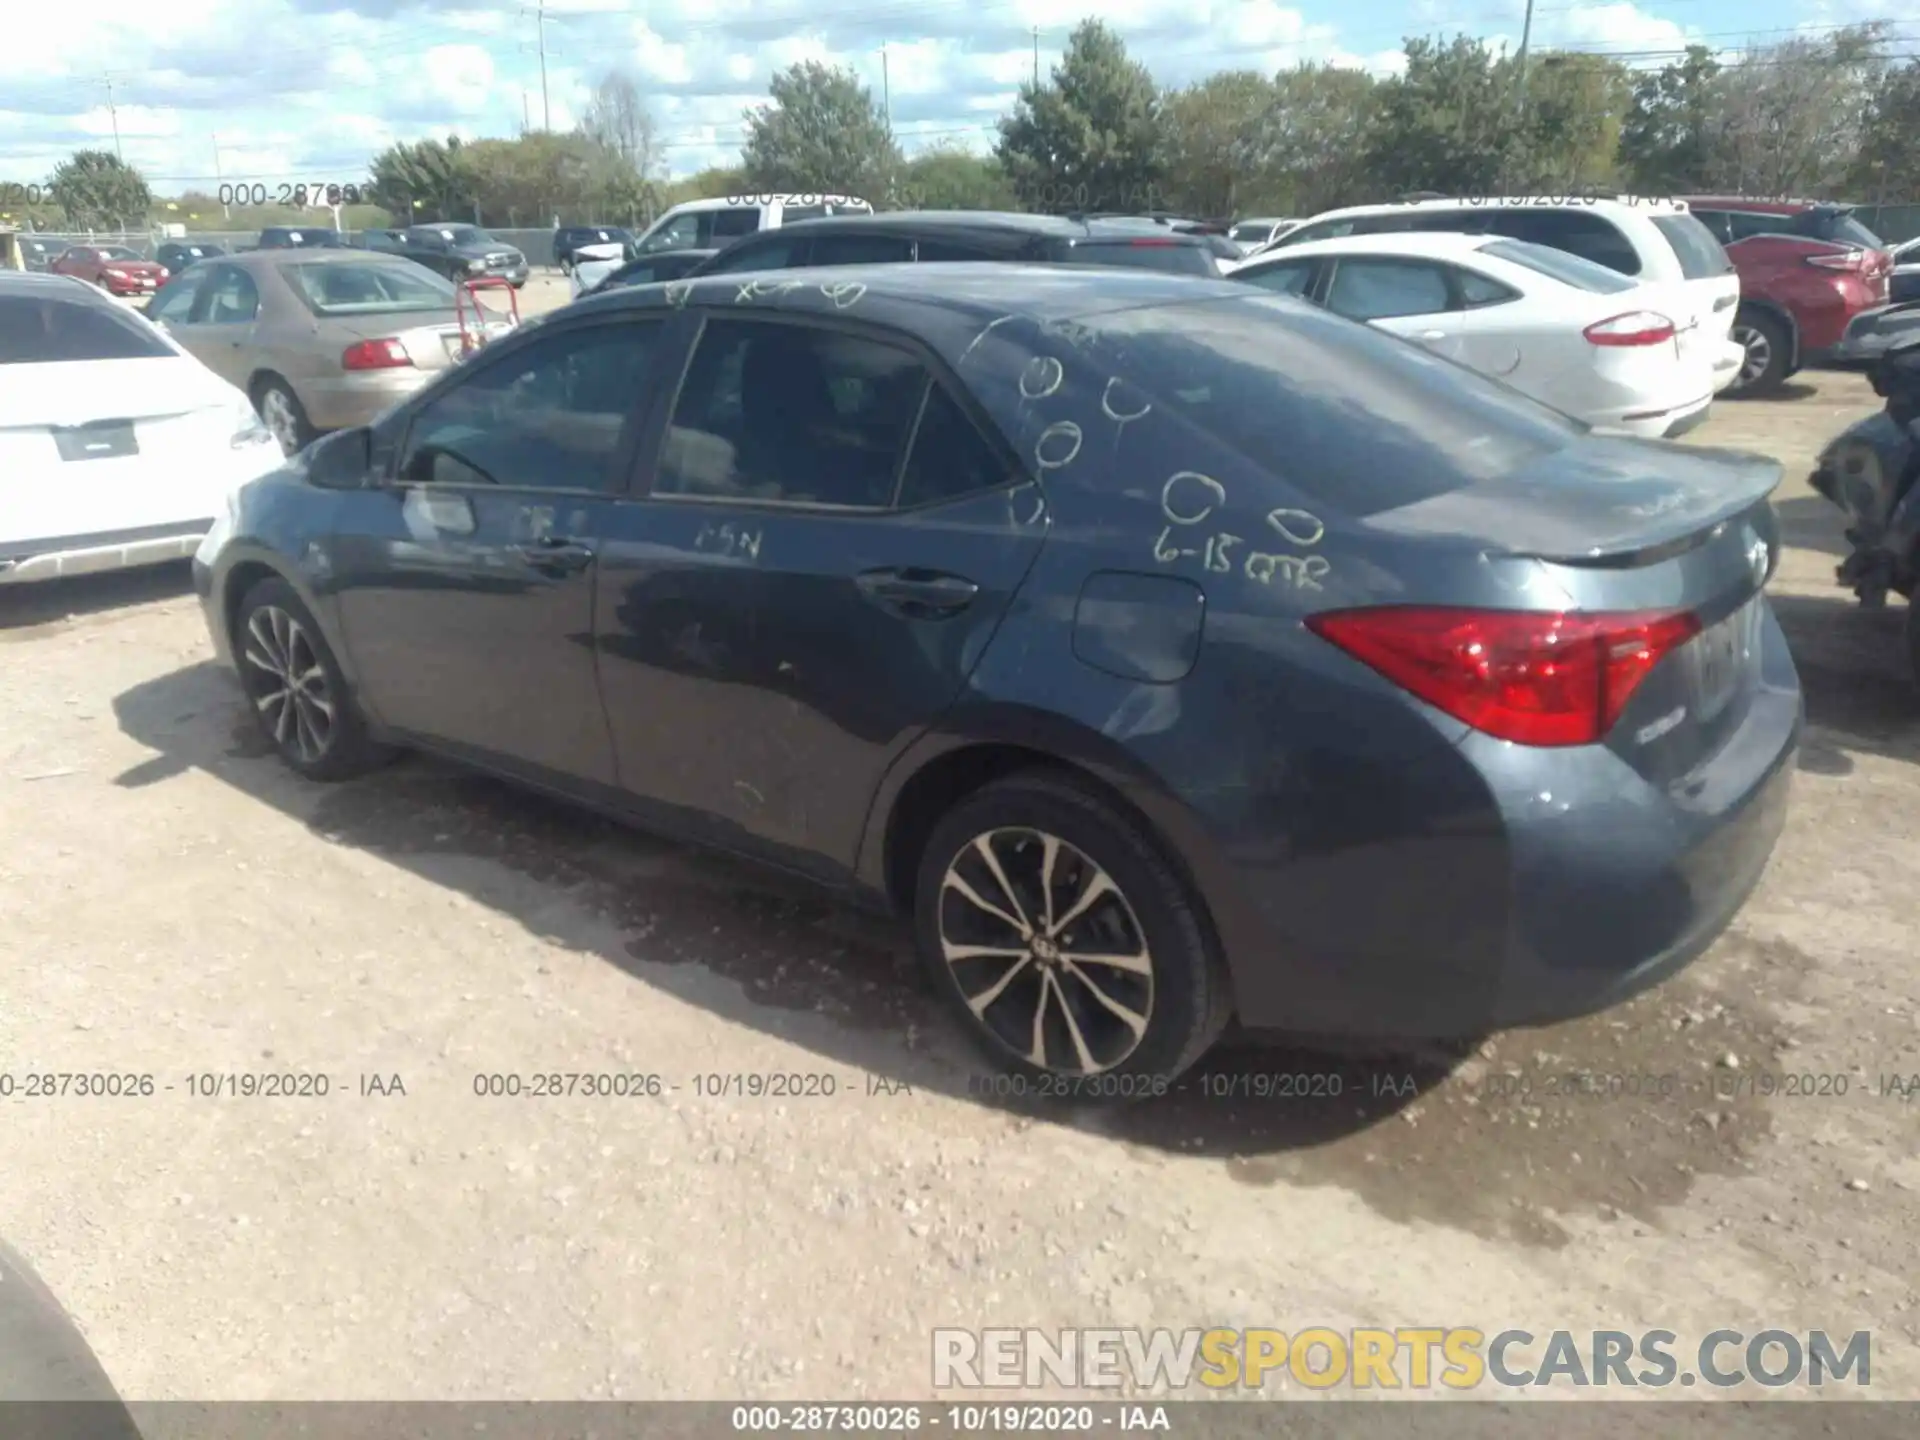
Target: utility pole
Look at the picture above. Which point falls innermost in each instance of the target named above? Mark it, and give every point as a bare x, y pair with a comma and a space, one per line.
886, 90
1036, 59
546, 110
114, 115
220, 180
1526, 36
526, 115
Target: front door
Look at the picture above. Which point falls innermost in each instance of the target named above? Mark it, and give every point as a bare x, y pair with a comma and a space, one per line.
466, 586
830, 543
1429, 303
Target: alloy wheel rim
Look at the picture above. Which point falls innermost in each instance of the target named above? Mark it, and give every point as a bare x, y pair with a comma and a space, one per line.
1046, 950
288, 684
1759, 353
278, 412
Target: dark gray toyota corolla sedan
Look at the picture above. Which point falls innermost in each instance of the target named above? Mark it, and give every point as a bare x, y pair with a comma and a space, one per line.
1166, 651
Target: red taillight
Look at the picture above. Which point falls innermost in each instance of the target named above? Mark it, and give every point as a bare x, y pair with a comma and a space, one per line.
1641, 327
1533, 677
1845, 260
376, 355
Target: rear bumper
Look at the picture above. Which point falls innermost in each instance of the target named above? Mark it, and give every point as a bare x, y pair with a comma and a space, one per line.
1657, 425
349, 400
1560, 883
22, 562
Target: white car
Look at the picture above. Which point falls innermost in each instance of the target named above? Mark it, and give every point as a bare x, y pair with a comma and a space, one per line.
598, 260
117, 448
1580, 337
1254, 233
713, 224
1643, 238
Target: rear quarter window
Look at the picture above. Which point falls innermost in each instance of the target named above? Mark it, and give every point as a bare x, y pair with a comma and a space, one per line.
1578, 232
1359, 420
1697, 248
1559, 265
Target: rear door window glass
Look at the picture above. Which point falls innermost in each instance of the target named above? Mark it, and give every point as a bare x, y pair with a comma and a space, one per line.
1169, 258
1290, 277
1385, 289
785, 413
1578, 232
733, 222
861, 250
950, 457
1567, 269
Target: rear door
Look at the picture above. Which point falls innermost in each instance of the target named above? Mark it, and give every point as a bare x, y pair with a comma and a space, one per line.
825, 554
1710, 284
218, 328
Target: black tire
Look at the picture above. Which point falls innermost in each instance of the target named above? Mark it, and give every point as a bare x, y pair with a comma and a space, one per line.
1186, 997
565, 265
346, 750
290, 425
1764, 336
1913, 634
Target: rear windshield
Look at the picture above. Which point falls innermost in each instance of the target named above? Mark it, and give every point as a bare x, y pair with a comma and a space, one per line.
1700, 254
368, 289
1559, 265
301, 238
42, 330
1356, 418
1246, 234
1171, 259
1842, 229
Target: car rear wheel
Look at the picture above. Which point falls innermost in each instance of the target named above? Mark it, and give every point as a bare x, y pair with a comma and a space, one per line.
283, 414
297, 692
1065, 943
1913, 633
1768, 347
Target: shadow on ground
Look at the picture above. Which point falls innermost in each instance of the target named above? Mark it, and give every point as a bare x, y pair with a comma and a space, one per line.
36, 609
1792, 390
1506, 1141
1862, 696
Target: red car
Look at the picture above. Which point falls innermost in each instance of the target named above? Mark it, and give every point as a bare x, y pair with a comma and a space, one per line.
114, 268
1806, 269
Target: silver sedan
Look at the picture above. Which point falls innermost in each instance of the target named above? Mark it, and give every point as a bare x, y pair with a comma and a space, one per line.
318, 339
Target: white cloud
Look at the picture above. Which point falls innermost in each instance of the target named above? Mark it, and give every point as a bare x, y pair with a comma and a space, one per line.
344, 78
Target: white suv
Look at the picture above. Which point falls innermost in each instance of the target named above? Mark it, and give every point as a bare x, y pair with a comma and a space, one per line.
1655, 241
714, 224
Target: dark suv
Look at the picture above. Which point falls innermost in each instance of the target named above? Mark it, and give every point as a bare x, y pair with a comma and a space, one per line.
906, 236
299, 237
1808, 271
459, 252
569, 238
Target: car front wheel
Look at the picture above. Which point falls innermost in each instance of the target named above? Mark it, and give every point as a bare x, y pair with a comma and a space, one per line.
299, 697
283, 414
1065, 943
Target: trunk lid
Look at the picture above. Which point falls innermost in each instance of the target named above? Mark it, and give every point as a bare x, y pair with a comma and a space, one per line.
431, 338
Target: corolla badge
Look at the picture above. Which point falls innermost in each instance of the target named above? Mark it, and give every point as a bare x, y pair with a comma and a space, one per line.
1759, 554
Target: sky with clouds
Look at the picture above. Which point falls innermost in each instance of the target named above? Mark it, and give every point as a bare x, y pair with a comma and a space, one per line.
309, 90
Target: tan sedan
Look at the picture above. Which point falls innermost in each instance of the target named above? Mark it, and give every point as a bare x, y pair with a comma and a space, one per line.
319, 339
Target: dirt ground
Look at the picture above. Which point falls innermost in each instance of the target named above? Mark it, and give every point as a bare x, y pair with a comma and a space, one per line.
174, 904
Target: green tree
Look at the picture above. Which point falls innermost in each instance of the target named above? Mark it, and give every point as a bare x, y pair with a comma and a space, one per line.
1213, 142
1790, 116
618, 119
1091, 138
1667, 138
541, 176
1310, 146
427, 180
1447, 124
97, 190
715, 183
1884, 167
950, 178
822, 134
1569, 123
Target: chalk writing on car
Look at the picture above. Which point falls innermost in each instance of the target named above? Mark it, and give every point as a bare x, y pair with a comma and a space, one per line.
1189, 497
1213, 555
1057, 446
1041, 378
844, 294
1297, 526
678, 293
1302, 572
729, 539
974, 343
1112, 406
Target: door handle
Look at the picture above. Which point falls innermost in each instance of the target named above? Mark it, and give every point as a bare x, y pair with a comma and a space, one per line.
554, 556
917, 594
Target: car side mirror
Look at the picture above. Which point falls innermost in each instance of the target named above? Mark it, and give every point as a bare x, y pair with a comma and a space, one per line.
342, 461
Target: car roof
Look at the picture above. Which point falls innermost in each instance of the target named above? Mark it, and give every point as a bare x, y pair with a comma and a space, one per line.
29, 282
1613, 205
1436, 244
1772, 206
1012, 224
784, 197
929, 300
316, 255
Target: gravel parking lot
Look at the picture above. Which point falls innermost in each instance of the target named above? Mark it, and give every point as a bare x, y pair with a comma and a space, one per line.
175, 904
